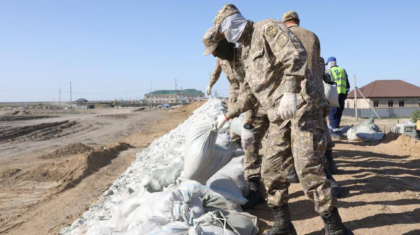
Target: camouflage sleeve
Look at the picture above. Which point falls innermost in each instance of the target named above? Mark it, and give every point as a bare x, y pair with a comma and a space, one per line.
216, 73
251, 114
245, 101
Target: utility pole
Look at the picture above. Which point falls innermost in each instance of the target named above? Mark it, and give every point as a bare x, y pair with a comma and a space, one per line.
71, 101
355, 97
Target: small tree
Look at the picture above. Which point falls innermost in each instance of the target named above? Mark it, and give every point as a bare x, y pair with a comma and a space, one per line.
415, 116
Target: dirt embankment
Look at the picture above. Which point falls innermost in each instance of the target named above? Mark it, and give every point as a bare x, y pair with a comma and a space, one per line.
45, 185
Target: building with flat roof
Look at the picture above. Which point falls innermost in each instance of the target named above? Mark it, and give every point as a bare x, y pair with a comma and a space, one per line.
174, 96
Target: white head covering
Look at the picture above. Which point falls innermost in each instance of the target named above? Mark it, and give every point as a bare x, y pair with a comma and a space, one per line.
331, 64
233, 26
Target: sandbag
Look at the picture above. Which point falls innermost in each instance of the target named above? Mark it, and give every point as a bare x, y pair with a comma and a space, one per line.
331, 94
377, 136
175, 205
235, 170
351, 134
199, 145
157, 180
225, 186
344, 129
370, 122
365, 129
237, 124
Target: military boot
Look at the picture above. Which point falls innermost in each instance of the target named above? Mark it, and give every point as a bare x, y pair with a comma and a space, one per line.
255, 196
334, 225
282, 223
332, 168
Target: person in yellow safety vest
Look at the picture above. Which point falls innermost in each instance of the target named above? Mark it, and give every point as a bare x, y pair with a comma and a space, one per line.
339, 76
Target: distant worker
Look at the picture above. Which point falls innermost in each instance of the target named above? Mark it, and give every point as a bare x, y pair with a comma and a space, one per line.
339, 76
313, 48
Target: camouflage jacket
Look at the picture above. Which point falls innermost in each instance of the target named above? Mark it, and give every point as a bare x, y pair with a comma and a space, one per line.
275, 63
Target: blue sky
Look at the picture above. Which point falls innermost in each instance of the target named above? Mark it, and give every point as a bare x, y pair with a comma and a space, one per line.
118, 49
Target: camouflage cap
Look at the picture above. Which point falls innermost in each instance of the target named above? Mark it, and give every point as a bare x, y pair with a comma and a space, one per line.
208, 40
226, 11
290, 15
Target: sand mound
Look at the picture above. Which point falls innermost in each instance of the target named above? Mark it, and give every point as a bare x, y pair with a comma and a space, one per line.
191, 107
404, 143
23, 112
70, 149
71, 171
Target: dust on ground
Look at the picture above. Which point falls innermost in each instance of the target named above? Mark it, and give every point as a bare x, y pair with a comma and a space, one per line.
56, 163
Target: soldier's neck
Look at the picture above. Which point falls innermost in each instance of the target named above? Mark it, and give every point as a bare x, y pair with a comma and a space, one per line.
246, 36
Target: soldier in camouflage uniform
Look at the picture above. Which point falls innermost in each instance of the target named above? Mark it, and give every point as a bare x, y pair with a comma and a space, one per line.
258, 122
278, 77
313, 48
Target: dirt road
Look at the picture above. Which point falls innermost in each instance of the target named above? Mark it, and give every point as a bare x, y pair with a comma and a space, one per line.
54, 165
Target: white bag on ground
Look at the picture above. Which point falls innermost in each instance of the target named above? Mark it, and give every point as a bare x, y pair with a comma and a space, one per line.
235, 170
157, 180
371, 136
225, 186
331, 94
351, 134
237, 124
199, 145
176, 205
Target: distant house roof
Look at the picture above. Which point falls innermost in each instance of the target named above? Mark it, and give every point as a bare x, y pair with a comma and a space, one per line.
388, 89
81, 100
184, 92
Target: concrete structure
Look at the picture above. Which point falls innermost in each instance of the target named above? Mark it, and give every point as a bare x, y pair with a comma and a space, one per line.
174, 96
386, 94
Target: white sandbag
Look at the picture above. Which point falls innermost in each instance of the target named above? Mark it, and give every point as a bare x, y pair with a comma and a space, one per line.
237, 124
351, 134
225, 186
365, 129
157, 180
174, 228
210, 230
377, 136
331, 94
176, 205
199, 145
344, 129
235, 170
211, 223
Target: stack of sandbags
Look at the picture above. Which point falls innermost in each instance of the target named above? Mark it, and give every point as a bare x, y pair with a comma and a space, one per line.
367, 130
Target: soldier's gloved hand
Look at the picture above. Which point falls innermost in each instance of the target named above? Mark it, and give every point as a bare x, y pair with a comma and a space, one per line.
220, 122
208, 90
287, 107
247, 137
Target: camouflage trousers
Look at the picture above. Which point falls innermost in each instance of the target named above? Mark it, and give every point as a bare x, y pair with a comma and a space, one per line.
327, 133
303, 138
252, 160
233, 98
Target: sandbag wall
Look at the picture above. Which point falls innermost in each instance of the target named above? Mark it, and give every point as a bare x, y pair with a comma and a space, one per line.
152, 197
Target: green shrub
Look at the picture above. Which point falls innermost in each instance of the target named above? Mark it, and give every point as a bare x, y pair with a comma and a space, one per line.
415, 116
